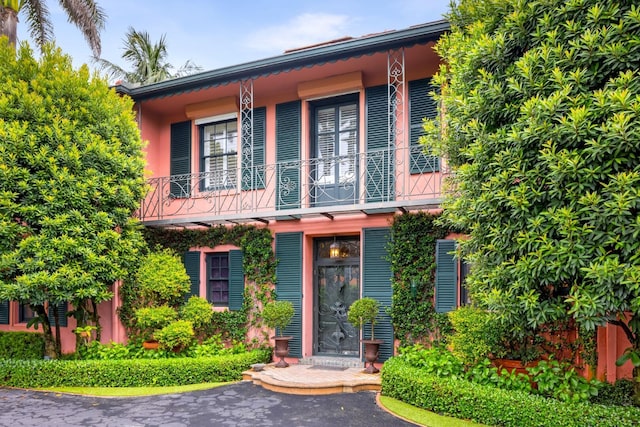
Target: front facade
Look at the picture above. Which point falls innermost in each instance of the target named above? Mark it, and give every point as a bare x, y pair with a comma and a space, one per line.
319, 145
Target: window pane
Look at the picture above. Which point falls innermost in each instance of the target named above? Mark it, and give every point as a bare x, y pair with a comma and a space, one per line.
218, 278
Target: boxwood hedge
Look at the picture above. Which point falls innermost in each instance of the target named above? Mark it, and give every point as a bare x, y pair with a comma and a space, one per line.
127, 373
493, 406
21, 345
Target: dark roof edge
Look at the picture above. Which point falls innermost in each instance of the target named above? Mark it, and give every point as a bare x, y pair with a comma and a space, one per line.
416, 34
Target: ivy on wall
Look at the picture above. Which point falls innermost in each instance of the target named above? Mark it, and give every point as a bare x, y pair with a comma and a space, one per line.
411, 253
259, 266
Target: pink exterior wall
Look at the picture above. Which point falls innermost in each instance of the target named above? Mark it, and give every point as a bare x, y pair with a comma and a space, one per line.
112, 329
611, 344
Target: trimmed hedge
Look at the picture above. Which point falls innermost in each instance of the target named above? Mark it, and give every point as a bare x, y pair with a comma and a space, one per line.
493, 406
127, 373
21, 345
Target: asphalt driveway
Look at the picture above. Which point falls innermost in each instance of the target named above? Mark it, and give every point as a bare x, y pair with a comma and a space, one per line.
241, 404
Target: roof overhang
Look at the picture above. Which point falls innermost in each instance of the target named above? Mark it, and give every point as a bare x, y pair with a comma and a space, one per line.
297, 59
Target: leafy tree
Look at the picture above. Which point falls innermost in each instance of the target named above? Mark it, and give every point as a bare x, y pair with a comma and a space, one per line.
542, 129
149, 61
71, 177
84, 14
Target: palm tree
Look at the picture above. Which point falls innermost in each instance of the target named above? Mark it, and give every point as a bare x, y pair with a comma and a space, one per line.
84, 14
149, 60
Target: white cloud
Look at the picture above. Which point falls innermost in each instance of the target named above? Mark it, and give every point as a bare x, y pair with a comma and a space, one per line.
300, 31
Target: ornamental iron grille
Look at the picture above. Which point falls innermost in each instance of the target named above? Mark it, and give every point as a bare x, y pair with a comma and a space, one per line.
337, 286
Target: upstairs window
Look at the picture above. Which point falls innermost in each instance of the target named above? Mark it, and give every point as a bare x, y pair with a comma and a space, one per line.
219, 160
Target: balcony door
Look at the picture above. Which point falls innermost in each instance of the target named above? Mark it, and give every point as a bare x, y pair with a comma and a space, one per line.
334, 168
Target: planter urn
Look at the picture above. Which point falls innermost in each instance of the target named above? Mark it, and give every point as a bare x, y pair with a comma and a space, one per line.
282, 350
371, 352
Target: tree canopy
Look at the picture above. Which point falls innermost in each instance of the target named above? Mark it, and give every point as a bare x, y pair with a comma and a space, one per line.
87, 15
148, 59
71, 177
542, 130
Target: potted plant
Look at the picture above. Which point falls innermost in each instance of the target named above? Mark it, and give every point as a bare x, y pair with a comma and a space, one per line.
278, 315
361, 312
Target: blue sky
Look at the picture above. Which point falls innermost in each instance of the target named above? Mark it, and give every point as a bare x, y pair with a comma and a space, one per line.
216, 34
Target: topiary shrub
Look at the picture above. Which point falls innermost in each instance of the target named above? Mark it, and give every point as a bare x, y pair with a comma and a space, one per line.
176, 336
162, 279
278, 314
363, 311
199, 312
151, 319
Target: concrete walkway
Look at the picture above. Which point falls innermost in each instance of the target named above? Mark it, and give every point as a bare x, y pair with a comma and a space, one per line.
241, 404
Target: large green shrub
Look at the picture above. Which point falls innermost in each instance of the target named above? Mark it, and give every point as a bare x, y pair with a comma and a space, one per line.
21, 345
477, 334
162, 279
72, 177
542, 129
493, 406
128, 373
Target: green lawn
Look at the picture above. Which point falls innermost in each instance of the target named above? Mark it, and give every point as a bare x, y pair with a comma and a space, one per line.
131, 391
421, 416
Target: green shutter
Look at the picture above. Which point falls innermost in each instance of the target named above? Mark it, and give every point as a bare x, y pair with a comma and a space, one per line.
61, 310
288, 155
253, 178
192, 265
446, 276
180, 152
421, 105
4, 312
236, 280
289, 284
379, 159
376, 274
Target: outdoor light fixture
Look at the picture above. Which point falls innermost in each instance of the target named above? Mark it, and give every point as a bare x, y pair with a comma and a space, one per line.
334, 249
414, 287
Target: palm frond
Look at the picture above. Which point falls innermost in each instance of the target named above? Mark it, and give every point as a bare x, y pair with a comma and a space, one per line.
89, 18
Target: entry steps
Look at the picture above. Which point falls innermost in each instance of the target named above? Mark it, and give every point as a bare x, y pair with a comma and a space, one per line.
334, 362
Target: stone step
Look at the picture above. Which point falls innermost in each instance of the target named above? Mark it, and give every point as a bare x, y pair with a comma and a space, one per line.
335, 362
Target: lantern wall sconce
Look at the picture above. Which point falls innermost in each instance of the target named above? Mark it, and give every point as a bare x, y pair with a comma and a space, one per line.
335, 249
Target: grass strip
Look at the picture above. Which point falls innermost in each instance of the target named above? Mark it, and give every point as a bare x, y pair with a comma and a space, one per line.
132, 391
422, 416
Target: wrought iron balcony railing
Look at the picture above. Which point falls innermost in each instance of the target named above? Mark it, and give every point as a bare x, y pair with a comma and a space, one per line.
384, 179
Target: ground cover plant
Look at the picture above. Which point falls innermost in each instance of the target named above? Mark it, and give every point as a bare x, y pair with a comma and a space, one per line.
433, 381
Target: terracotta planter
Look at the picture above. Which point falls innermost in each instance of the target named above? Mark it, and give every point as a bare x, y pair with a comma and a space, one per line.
513, 365
371, 351
282, 350
150, 345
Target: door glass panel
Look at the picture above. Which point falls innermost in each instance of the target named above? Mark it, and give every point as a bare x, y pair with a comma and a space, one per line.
337, 287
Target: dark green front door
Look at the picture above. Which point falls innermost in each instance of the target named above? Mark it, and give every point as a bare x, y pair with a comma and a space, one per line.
337, 286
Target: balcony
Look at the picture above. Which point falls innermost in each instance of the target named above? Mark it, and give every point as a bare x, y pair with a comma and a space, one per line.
375, 182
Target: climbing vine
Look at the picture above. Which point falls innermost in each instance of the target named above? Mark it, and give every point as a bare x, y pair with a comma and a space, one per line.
259, 266
412, 257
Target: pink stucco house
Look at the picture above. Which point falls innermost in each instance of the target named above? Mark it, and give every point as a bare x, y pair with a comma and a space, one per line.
320, 146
